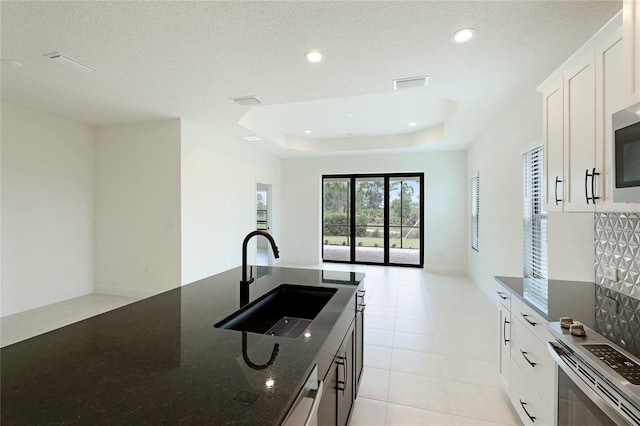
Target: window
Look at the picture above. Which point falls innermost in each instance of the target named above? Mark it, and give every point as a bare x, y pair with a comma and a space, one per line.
262, 222
373, 219
475, 213
535, 218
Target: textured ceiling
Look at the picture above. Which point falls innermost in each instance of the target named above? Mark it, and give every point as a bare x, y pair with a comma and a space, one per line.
158, 60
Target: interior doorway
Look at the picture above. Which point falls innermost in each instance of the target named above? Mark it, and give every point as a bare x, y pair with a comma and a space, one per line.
263, 222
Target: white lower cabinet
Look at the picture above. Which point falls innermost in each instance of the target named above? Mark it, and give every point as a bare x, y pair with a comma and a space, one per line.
505, 345
526, 367
531, 355
527, 401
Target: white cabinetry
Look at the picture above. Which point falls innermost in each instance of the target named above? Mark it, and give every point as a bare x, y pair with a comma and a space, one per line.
553, 124
578, 100
526, 367
579, 136
631, 14
611, 96
505, 345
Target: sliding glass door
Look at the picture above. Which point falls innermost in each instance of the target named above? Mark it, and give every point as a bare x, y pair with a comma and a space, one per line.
373, 219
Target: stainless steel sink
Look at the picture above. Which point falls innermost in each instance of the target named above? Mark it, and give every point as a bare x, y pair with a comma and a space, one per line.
285, 311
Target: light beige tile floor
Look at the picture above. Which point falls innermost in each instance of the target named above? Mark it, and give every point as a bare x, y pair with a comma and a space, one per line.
431, 352
24, 325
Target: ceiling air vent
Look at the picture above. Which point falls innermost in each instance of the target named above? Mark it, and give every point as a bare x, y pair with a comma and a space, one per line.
67, 61
246, 100
407, 83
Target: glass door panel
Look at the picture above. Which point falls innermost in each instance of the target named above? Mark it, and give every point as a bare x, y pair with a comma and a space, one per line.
404, 220
370, 219
336, 219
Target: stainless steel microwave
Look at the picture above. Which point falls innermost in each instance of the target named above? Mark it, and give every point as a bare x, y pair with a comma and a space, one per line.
626, 154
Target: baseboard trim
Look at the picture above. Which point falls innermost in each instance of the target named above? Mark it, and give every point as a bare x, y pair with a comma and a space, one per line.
124, 292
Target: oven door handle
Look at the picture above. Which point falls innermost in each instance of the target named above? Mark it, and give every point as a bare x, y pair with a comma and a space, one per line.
556, 353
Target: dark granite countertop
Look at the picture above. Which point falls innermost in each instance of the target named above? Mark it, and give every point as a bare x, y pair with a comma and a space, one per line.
555, 298
161, 361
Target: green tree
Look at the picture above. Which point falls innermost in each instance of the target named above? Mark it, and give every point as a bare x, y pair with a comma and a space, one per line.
336, 196
403, 209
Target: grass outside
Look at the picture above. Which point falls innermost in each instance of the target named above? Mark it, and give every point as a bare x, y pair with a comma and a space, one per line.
409, 243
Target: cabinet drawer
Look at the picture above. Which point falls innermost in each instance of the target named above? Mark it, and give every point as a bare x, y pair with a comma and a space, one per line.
526, 401
532, 320
503, 296
531, 355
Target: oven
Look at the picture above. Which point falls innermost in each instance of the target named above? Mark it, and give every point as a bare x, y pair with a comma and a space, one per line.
588, 393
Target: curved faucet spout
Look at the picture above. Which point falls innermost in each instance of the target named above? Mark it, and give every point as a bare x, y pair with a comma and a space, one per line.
244, 283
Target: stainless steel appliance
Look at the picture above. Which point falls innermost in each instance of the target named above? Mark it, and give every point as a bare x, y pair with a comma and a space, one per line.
598, 382
626, 154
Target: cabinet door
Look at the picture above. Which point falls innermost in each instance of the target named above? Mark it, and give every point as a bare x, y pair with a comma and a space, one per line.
553, 125
611, 97
505, 345
359, 341
631, 64
328, 408
346, 378
579, 136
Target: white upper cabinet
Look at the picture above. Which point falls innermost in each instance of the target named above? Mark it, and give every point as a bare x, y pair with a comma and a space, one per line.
553, 124
611, 95
580, 136
578, 101
631, 16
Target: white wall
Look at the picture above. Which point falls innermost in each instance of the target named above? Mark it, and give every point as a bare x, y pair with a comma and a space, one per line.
138, 208
47, 209
219, 178
497, 156
445, 218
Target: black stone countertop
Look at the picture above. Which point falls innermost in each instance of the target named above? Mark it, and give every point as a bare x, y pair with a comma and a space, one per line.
161, 361
555, 298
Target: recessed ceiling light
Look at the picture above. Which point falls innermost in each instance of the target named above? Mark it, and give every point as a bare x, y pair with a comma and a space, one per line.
412, 124
313, 56
307, 131
351, 114
11, 63
246, 100
252, 138
71, 63
464, 35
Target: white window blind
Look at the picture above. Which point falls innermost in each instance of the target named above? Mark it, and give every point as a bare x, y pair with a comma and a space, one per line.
475, 212
535, 218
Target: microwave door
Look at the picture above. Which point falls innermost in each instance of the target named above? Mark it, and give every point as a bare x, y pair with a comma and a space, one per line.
626, 156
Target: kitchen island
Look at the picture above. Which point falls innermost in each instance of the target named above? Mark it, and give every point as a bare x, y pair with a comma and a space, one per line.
162, 361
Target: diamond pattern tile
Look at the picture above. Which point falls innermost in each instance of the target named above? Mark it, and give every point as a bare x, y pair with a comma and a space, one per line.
617, 244
621, 324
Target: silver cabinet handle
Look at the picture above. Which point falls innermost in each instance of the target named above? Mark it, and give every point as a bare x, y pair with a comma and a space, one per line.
316, 394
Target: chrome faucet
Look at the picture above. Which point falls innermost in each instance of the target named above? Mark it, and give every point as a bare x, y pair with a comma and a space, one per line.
244, 283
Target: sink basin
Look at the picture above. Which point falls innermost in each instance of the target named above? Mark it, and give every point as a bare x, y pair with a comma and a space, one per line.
285, 311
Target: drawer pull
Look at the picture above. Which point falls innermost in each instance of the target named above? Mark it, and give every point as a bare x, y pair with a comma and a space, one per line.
524, 355
532, 418
504, 331
502, 295
526, 318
